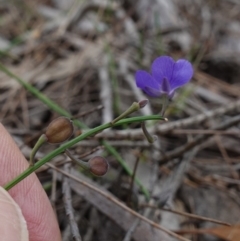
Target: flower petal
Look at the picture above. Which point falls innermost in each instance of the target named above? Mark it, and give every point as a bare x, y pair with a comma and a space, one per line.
166, 86
162, 67
146, 82
152, 92
182, 73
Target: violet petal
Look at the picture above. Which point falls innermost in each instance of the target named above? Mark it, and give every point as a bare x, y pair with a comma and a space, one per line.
182, 73
162, 67
144, 80
166, 86
152, 92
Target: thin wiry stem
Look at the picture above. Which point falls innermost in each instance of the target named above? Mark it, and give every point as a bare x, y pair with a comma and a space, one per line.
52, 106
74, 141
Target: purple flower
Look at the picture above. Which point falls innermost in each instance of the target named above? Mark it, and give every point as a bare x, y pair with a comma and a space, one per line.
167, 75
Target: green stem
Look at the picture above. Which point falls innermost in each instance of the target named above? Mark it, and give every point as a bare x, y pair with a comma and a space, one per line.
82, 164
42, 139
112, 150
72, 142
164, 104
134, 107
150, 138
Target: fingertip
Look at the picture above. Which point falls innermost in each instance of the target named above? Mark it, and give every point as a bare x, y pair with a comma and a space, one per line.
28, 194
13, 225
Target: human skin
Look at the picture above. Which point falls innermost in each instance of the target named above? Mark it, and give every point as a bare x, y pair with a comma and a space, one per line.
28, 194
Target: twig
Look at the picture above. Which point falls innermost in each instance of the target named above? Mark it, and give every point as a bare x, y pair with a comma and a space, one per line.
67, 199
197, 140
99, 107
222, 85
120, 143
189, 215
105, 92
93, 224
173, 183
132, 180
66, 233
226, 157
205, 132
130, 232
226, 179
53, 190
120, 204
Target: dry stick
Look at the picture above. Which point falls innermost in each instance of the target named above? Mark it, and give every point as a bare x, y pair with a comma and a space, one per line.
25, 112
132, 181
99, 107
220, 84
53, 190
226, 157
76, 11
105, 91
205, 132
66, 233
93, 224
197, 140
226, 179
232, 194
165, 128
93, 150
170, 126
120, 204
119, 143
189, 215
175, 179
130, 232
67, 199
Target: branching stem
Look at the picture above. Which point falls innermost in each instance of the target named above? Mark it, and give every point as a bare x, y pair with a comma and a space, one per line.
72, 142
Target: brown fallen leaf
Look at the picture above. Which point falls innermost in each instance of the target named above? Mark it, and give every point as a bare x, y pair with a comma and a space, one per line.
228, 233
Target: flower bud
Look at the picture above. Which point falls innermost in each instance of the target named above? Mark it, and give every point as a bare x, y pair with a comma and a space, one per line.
143, 103
59, 130
98, 166
134, 107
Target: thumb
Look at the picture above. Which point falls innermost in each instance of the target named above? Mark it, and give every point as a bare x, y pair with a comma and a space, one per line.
13, 225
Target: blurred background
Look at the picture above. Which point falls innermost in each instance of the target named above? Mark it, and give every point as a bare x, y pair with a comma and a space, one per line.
83, 55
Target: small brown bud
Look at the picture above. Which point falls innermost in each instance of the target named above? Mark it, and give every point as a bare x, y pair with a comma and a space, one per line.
98, 166
59, 130
143, 103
